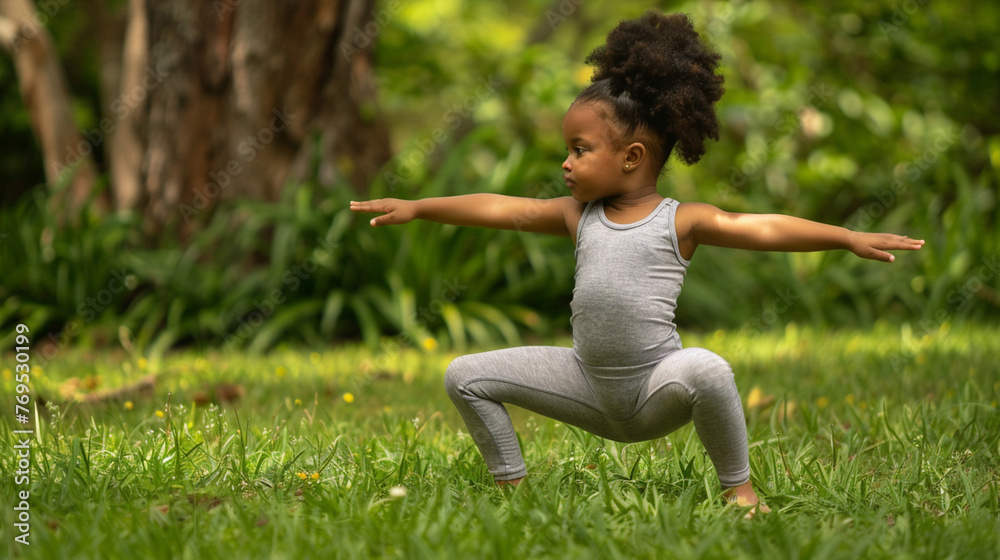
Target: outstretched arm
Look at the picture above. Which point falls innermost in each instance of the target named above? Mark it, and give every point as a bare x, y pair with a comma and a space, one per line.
482, 210
704, 224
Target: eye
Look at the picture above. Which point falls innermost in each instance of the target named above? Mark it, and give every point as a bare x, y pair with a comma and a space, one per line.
578, 150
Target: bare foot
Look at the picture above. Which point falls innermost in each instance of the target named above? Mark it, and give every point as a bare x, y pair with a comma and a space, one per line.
744, 496
514, 482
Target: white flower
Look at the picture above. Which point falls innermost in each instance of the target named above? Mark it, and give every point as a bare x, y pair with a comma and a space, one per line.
397, 492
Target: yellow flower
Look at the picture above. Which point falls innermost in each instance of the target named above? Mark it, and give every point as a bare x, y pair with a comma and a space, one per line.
849, 398
159, 414
143, 363
7, 374
822, 402
129, 405
757, 399
430, 344
348, 398
298, 402
280, 371
315, 476
302, 475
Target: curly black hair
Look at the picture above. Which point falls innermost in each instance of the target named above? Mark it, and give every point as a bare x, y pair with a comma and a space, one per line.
659, 80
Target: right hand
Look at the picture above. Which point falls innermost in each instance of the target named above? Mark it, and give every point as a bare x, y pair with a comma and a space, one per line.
875, 246
394, 210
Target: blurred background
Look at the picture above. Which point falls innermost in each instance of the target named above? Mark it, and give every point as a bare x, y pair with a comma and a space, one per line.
177, 173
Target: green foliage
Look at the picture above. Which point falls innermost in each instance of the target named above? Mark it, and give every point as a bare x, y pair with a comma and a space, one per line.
856, 117
880, 444
307, 270
302, 270
874, 116
60, 277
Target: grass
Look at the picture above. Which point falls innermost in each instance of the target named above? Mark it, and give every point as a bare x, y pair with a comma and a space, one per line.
867, 444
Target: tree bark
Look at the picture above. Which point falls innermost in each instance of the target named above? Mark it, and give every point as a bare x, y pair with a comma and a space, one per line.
207, 100
233, 95
123, 56
69, 168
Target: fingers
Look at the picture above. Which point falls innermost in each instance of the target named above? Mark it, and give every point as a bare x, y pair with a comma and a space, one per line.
876, 246
903, 243
897, 243
385, 220
378, 205
889, 242
871, 253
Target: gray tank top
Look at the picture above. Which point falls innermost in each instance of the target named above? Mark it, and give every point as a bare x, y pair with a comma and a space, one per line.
628, 277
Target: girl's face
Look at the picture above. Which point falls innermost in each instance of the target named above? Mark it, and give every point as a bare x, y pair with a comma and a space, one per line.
594, 166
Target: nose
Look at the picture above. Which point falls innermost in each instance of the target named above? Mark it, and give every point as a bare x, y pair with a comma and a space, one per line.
566, 165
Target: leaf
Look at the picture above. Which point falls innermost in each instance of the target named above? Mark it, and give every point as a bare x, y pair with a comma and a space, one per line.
282, 319
366, 321
496, 318
456, 326
331, 312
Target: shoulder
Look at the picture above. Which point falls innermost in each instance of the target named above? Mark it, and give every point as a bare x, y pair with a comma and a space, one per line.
572, 211
690, 214
688, 217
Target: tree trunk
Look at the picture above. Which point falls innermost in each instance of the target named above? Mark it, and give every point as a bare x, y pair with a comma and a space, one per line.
227, 98
69, 167
205, 100
123, 56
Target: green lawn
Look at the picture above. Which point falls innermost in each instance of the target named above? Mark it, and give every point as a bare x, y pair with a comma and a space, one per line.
867, 444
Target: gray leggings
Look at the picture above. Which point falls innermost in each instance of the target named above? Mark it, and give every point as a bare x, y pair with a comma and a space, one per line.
627, 404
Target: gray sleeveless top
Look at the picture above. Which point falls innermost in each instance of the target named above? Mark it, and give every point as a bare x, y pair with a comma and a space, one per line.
628, 277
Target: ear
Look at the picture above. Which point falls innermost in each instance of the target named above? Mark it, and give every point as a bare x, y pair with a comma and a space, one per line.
635, 155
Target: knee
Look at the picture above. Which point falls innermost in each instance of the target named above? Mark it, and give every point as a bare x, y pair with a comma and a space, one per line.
455, 376
713, 374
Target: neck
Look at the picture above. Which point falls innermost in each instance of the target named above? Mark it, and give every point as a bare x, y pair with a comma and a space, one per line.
637, 198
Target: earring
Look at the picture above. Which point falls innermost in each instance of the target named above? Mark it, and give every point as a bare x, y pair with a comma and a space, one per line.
627, 165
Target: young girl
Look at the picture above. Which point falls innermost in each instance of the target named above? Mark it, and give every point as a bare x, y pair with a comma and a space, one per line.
627, 377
